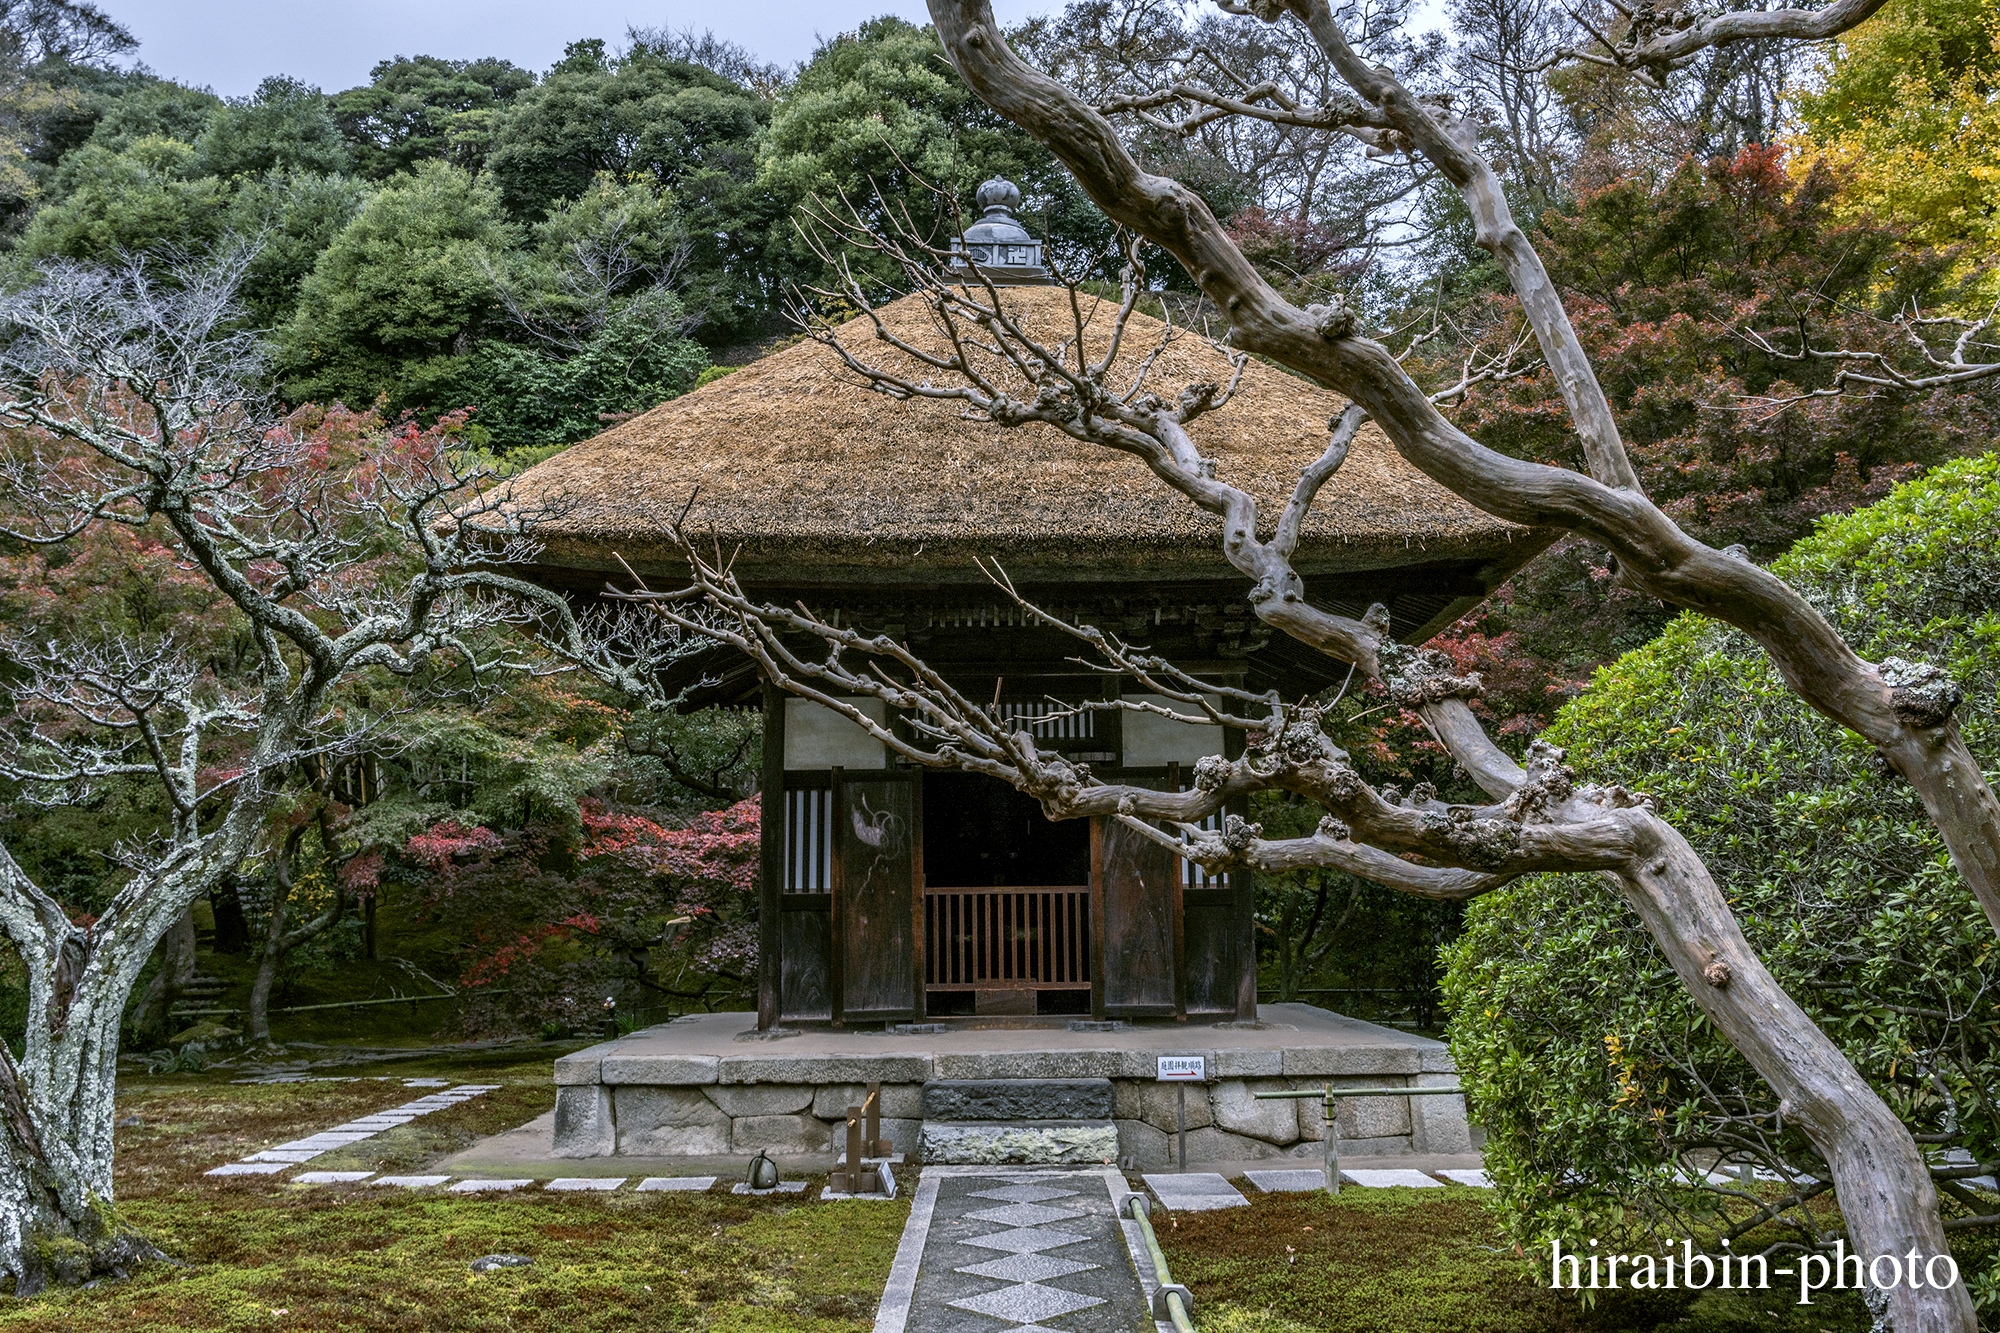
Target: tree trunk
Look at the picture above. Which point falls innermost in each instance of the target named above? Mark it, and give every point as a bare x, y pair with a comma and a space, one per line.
267, 967
1884, 1187
57, 1224
278, 941
1288, 979
177, 951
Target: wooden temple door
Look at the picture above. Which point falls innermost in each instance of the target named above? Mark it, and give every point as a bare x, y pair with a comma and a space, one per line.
1136, 919
877, 905
1171, 939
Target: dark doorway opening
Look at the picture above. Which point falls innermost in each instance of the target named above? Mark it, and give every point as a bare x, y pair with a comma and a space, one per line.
979, 832
1007, 921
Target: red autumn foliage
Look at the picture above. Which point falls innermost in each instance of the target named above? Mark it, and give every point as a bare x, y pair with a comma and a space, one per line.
564, 915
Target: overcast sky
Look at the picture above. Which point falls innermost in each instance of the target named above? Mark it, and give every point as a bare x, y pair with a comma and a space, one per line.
228, 45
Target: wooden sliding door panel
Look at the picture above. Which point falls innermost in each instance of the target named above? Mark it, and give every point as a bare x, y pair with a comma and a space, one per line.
805, 932
1211, 961
1138, 885
876, 839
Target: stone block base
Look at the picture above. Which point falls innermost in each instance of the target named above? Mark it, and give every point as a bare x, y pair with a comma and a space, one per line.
991, 1094
1083, 1143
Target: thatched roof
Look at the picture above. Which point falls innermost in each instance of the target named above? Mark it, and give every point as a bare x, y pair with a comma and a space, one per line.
822, 482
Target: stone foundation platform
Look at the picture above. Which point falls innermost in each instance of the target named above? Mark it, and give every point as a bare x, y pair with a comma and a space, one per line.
705, 1086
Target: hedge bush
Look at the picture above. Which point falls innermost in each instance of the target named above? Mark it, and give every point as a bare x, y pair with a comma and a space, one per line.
1597, 1079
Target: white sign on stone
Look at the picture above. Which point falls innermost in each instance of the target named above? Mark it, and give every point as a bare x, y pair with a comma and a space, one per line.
1183, 1068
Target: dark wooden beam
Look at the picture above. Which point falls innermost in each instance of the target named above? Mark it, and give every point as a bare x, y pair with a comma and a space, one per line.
771, 861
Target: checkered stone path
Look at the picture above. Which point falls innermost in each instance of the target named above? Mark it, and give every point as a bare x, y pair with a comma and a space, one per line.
1020, 1251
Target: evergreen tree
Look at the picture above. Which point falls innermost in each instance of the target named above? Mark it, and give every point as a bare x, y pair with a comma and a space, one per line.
418, 107
392, 305
681, 128
880, 110
284, 126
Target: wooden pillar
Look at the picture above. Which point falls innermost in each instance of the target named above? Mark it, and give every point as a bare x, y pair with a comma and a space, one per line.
1097, 917
1178, 887
836, 958
919, 994
1243, 895
771, 861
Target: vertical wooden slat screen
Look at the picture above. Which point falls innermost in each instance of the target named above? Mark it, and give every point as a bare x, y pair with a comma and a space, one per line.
976, 939
808, 840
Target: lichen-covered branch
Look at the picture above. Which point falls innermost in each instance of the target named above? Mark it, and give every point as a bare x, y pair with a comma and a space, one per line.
1651, 553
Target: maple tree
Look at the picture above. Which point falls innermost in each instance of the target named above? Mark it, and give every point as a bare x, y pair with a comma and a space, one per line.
550, 914
343, 564
1906, 106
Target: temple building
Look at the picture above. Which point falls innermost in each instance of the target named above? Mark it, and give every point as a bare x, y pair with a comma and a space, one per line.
892, 893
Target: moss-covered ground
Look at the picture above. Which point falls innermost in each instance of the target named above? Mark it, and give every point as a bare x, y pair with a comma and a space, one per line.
1426, 1261
255, 1252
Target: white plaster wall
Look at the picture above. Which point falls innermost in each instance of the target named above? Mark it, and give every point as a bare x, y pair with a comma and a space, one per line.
1152, 741
818, 737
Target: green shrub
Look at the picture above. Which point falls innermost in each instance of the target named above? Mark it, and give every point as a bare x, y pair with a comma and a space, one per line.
1597, 1078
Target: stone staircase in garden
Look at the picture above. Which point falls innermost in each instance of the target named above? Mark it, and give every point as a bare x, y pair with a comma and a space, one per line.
1019, 1122
201, 992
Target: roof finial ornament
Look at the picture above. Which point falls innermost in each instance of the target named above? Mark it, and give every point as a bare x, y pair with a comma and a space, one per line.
998, 195
998, 246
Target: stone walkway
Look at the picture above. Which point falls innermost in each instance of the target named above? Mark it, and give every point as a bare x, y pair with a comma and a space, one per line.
285, 1155
1022, 1250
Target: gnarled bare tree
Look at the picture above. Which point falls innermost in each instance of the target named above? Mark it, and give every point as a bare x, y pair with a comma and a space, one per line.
1905, 710
133, 397
1539, 817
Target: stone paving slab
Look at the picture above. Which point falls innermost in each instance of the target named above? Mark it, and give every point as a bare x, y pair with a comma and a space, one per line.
330, 1177
248, 1169
585, 1183
480, 1186
784, 1187
651, 1183
290, 1156
1474, 1178
410, 1182
1283, 1182
1381, 1180
1014, 1250
1194, 1191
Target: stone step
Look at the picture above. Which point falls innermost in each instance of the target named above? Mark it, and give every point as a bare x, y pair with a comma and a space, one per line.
1024, 1142
1017, 1099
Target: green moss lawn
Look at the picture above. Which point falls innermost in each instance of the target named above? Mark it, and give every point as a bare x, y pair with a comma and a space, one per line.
1424, 1261
256, 1253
